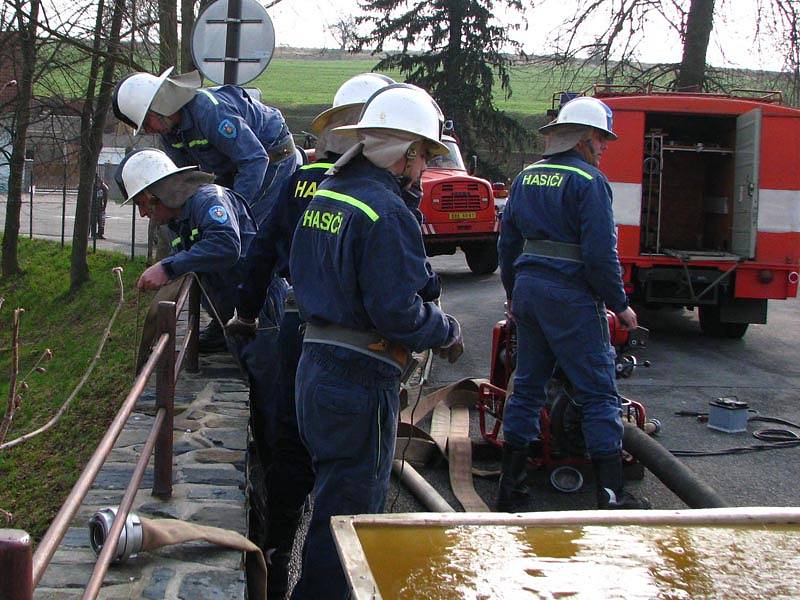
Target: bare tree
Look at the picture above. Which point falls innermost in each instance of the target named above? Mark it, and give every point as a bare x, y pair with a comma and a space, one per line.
780, 20
344, 31
168, 32
27, 17
93, 118
187, 24
624, 31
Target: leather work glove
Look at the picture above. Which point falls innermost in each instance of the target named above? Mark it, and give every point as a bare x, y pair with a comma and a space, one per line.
455, 345
241, 328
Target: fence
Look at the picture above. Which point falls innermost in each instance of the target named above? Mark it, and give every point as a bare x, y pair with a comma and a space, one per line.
20, 569
49, 214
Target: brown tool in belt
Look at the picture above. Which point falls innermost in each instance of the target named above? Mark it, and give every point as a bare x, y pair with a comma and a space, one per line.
281, 151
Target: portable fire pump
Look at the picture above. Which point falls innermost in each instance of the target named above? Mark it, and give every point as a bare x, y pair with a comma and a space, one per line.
560, 449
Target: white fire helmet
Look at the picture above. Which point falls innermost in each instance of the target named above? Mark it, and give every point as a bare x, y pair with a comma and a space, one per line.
402, 107
141, 169
353, 92
139, 93
134, 95
583, 110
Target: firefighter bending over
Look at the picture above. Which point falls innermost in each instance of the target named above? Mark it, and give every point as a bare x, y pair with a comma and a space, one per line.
560, 270
213, 227
223, 131
357, 263
288, 473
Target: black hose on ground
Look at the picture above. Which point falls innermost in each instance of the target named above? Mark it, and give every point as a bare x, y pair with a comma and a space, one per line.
673, 473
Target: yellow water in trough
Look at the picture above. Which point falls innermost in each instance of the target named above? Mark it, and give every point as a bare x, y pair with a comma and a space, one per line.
596, 562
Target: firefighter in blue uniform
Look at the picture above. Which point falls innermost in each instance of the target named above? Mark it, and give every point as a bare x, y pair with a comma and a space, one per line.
244, 143
213, 226
289, 475
560, 270
357, 263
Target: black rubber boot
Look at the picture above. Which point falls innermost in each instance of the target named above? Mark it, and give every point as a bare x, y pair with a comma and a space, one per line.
212, 338
513, 487
610, 486
280, 541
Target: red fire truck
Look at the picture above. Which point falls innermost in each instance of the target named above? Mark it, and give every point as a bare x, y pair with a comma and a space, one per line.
707, 202
460, 211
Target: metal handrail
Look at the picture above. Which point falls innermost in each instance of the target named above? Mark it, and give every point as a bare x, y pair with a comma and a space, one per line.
58, 528
166, 362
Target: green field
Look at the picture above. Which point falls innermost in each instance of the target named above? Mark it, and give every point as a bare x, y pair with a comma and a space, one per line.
297, 84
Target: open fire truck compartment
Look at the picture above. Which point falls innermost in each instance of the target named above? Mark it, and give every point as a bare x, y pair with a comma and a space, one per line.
707, 203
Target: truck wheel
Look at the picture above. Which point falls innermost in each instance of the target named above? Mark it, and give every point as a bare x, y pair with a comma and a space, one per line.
482, 257
711, 325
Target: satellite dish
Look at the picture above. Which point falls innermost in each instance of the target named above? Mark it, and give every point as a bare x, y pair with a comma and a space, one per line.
233, 41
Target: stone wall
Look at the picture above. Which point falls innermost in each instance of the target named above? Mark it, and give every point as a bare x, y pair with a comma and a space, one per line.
210, 488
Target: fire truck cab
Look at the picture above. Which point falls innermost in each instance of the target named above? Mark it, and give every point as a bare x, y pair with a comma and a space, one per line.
459, 211
707, 202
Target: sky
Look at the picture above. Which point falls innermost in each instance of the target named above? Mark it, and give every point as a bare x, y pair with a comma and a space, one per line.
303, 23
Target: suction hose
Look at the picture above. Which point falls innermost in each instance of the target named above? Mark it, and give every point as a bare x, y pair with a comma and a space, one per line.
673, 473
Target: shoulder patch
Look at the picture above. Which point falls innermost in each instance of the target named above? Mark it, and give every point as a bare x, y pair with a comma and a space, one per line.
218, 213
227, 129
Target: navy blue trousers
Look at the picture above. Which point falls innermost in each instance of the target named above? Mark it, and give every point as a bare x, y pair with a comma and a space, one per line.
290, 476
348, 421
562, 323
260, 358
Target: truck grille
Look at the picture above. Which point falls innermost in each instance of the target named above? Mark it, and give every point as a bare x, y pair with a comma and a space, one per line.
461, 196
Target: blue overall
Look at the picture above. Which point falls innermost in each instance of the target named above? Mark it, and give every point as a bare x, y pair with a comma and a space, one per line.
559, 305
226, 133
358, 261
285, 458
213, 234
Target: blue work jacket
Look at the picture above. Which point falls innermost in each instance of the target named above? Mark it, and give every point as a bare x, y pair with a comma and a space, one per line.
563, 199
214, 231
225, 132
270, 250
358, 260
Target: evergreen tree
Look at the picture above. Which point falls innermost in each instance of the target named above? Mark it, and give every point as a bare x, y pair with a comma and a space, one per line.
466, 52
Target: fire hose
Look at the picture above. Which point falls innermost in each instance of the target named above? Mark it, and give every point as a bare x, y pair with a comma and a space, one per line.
142, 535
450, 435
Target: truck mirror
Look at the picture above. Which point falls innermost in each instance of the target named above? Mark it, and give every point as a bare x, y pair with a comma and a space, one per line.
473, 164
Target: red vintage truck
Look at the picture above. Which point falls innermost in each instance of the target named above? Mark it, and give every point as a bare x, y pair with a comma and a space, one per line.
706, 201
460, 211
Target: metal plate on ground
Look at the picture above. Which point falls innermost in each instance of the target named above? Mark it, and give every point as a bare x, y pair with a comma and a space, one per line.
233, 41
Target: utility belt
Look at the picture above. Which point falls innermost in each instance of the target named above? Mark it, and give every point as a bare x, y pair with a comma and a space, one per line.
369, 343
551, 249
282, 151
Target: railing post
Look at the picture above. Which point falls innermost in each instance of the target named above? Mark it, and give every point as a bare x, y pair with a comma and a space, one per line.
165, 398
16, 565
193, 329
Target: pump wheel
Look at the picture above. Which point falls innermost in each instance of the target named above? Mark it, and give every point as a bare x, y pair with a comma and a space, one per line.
712, 326
482, 257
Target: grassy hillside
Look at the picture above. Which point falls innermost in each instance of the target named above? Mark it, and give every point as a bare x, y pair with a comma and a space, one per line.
296, 81
36, 476
300, 83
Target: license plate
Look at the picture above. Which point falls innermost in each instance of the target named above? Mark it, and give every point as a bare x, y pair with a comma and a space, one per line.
462, 216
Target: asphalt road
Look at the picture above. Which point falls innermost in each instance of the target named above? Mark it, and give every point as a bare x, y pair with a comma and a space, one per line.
123, 223
688, 371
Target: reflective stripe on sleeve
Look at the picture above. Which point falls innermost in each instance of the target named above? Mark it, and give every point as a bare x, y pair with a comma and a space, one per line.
211, 97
